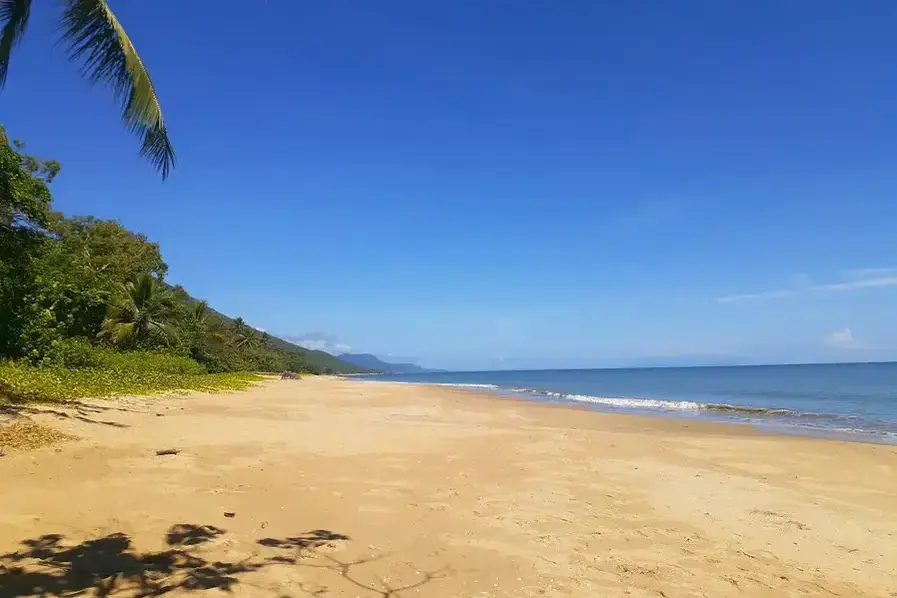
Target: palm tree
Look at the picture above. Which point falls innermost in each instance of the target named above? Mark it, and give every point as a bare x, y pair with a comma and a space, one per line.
96, 38
199, 311
239, 326
210, 328
244, 335
138, 314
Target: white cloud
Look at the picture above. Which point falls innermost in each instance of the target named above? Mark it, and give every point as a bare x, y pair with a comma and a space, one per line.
755, 296
860, 278
862, 283
842, 339
319, 341
870, 272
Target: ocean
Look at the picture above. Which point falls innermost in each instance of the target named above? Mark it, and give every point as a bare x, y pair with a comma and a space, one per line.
855, 401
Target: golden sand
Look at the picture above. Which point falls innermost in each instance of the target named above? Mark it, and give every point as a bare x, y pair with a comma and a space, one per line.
325, 487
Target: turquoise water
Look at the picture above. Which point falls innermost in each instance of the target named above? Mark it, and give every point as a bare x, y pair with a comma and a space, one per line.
854, 401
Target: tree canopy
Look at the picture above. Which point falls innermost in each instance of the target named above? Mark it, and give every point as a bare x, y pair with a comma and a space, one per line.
24, 194
71, 283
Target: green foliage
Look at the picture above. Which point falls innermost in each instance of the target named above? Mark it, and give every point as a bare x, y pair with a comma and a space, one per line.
138, 313
74, 352
24, 211
147, 363
244, 336
126, 374
24, 195
78, 297
107, 248
95, 38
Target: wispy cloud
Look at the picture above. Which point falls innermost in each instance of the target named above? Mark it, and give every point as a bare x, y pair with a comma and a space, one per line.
318, 341
870, 272
755, 296
863, 283
861, 278
842, 339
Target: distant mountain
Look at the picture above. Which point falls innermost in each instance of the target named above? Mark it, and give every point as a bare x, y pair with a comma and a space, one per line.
323, 360
372, 362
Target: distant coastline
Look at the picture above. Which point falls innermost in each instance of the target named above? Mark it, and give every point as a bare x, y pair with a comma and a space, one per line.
371, 362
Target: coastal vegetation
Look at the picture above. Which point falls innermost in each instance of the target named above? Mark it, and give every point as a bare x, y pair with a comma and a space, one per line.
95, 38
111, 374
85, 309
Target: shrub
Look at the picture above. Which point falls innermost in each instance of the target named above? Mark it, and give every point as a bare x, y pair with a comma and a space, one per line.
114, 374
147, 362
72, 353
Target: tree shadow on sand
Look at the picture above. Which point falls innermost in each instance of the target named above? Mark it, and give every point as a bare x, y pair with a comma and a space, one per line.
186, 534
78, 410
302, 551
48, 566
313, 539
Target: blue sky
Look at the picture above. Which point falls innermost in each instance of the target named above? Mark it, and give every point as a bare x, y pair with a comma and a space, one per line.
507, 184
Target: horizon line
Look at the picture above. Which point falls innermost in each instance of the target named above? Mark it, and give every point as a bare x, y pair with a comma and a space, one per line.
643, 367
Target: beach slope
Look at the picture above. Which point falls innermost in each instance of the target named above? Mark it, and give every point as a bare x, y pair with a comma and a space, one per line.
327, 487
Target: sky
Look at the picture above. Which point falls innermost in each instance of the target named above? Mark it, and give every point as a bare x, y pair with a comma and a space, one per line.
506, 184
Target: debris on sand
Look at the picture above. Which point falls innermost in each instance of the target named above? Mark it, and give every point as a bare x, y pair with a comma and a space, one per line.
168, 452
24, 435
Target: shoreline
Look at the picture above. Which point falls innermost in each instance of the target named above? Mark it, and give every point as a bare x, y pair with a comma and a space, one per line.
700, 414
699, 425
336, 487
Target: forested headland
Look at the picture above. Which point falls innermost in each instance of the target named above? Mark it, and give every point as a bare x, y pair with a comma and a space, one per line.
85, 309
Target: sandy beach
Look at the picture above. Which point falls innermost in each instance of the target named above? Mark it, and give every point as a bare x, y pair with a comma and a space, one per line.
327, 487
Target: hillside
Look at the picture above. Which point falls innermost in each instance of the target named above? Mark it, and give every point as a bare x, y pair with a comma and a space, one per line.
319, 360
372, 362
82, 293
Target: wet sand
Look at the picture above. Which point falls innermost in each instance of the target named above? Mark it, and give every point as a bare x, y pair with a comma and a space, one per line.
326, 487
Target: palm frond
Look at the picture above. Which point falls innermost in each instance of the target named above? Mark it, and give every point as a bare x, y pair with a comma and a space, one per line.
200, 311
161, 331
142, 290
14, 18
116, 331
95, 36
122, 310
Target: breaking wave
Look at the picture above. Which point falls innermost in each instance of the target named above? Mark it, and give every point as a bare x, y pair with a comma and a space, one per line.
635, 403
817, 420
488, 386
